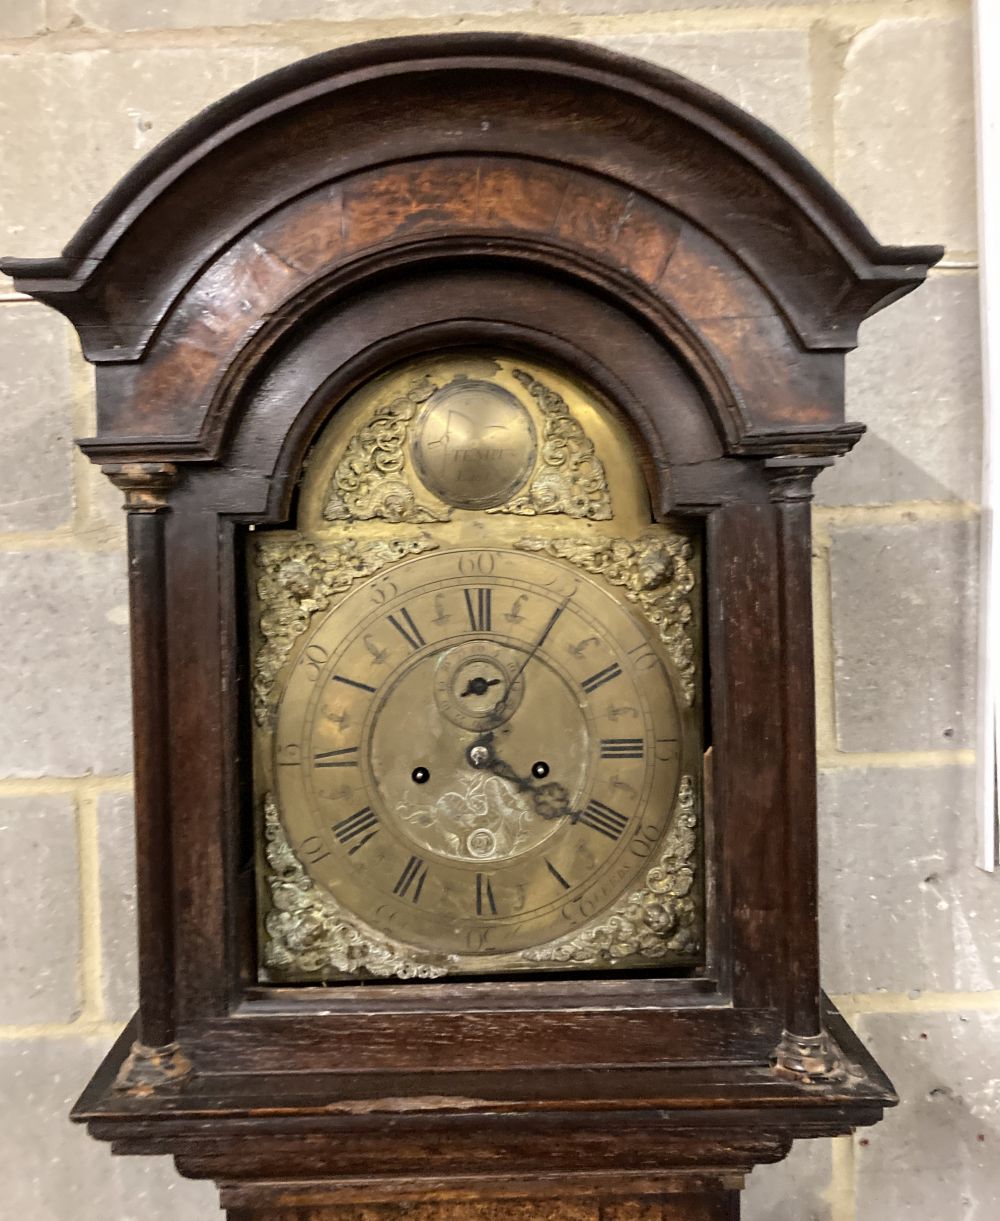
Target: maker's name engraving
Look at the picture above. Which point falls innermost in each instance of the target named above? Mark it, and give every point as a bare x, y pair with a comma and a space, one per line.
474, 444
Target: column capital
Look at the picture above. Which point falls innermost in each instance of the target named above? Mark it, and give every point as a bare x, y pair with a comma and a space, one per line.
145, 484
791, 477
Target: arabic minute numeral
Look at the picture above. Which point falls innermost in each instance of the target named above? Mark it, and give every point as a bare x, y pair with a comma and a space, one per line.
643, 657
482, 562
383, 590
312, 850
313, 657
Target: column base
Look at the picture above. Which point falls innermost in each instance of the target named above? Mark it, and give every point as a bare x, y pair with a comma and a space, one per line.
808, 1058
147, 1069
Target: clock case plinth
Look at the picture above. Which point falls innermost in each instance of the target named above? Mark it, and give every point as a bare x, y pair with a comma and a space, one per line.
588, 1144
333, 219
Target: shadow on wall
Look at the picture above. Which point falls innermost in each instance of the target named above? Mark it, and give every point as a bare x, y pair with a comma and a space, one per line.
887, 475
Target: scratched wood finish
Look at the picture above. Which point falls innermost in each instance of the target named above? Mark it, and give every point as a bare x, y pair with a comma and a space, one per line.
542, 197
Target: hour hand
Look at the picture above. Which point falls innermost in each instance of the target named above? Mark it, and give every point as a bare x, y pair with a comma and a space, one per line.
479, 686
550, 800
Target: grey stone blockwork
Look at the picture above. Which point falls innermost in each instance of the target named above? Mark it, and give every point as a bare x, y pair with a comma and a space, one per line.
22, 18
904, 625
904, 908
765, 71
905, 133
52, 1171
116, 839
796, 1189
669, 6
128, 15
36, 426
100, 111
39, 910
935, 1158
64, 694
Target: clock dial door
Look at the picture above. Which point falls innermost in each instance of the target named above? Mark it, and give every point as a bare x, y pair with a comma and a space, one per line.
478, 741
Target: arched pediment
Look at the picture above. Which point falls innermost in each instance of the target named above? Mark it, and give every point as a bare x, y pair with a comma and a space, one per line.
474, 145
561, 102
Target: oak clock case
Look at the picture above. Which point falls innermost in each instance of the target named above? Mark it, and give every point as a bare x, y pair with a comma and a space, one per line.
477, 699
312, 311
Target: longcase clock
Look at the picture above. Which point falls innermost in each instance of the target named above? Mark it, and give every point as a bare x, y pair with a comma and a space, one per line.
466, 394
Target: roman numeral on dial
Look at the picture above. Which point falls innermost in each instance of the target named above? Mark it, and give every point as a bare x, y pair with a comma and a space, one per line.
480, 609
603, 819
601, 677
621, 748
411, 879
407, 629
350, 682
361, 827
485, 903
557, 875
346, 757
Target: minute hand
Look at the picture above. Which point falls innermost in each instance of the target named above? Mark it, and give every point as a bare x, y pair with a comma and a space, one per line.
534, 649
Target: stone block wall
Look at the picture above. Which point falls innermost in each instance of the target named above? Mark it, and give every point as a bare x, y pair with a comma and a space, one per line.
879, 94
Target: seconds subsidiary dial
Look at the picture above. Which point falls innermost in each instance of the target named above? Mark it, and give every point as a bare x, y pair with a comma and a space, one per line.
478, 753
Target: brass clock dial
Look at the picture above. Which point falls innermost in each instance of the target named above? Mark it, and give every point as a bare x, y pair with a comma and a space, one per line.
478, 746
478, 752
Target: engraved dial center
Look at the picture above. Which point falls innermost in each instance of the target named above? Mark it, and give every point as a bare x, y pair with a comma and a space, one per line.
479, 801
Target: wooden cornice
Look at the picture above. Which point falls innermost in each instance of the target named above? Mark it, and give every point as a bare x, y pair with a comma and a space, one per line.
562, 103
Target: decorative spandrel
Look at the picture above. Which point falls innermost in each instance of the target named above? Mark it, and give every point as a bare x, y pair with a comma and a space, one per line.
295, 579
570, 479
472, 433
478, 750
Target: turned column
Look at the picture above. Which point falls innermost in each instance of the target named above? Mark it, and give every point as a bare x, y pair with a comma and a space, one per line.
805, 1050
155, 1055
